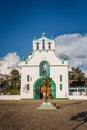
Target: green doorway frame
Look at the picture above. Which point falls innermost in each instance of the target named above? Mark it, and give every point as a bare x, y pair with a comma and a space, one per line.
37, 85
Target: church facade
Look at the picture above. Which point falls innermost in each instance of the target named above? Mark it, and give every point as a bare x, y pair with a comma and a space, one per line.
41, 64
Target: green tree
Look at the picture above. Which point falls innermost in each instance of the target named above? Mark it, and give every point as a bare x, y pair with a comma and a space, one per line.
76, 74
15, 81
11, 83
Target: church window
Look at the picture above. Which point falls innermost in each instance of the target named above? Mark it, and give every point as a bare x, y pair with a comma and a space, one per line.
31, 78
61, 78
44, 68
37, 45
28, 87
28, 78
49, 45
43, 44
61, 87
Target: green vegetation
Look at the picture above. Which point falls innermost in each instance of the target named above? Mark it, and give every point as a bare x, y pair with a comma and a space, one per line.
76, 74
11, 83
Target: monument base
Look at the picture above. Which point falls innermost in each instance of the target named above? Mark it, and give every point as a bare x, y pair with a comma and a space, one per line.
47, 105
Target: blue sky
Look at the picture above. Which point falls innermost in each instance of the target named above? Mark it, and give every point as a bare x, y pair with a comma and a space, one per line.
20, 20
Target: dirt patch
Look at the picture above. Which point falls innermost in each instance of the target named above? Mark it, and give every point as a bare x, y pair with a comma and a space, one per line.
24, 115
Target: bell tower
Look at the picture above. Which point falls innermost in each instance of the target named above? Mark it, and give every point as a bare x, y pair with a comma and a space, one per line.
43, 44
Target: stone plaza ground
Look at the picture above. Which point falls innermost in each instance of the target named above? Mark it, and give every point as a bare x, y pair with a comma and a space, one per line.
24, 115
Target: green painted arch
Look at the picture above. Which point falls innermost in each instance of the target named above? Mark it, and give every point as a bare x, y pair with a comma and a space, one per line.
37, 85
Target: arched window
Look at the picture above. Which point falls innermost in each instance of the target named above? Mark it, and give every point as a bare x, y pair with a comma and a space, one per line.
28, 87
61, 87
43, 44
49, 45
28, 78
61, 78
37, 45
44, 68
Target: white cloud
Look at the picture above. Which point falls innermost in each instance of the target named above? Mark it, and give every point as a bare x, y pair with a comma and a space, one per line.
74, 46
9, 62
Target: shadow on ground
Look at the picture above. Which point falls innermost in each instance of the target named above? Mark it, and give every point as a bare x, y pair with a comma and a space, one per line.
62, 106
74, 103
80, 117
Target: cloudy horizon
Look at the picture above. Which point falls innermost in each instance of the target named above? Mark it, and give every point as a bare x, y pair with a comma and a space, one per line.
73, 46
9, 62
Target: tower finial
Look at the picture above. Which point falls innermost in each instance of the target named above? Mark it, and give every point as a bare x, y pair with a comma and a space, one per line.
43, 34
34, 37
52, 37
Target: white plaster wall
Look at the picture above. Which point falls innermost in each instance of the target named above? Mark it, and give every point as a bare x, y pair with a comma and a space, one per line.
33, 73
55, 74
44, 55
56, 69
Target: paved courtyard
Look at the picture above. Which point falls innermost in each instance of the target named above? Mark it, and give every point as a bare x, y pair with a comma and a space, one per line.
24, 115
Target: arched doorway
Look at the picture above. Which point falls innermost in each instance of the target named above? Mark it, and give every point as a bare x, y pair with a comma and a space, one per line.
38, 89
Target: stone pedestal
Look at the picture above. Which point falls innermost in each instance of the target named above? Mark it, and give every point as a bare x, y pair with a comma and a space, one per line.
46, 105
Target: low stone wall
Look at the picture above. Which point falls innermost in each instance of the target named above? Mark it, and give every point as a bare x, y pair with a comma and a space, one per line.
18, 97
78, 97
10, 97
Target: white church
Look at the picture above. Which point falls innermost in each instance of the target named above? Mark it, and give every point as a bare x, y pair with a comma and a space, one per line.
41, 63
